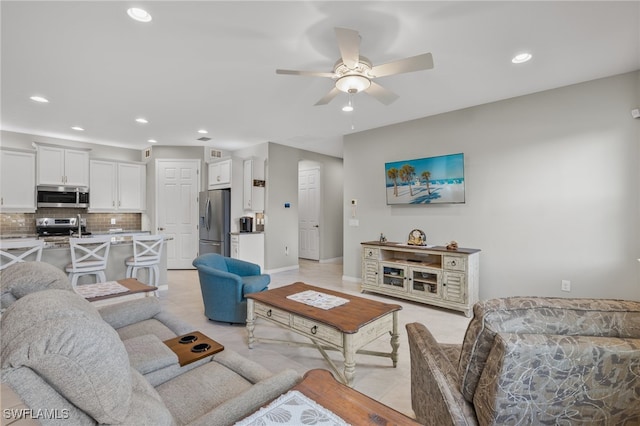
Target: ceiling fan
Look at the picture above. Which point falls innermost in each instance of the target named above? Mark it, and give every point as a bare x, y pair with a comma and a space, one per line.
353, 73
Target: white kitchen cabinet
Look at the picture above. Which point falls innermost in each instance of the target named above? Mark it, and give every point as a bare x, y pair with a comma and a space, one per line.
248, 246
253, 185
62, 166
117, 187
17, 181
431, 275
220, 174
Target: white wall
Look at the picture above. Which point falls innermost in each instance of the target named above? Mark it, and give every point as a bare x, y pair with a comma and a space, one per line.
552, 189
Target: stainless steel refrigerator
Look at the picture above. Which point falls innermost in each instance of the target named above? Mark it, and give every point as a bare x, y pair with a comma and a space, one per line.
215, 221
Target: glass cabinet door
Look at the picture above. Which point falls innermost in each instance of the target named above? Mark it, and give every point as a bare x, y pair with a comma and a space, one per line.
426, 282
393, 276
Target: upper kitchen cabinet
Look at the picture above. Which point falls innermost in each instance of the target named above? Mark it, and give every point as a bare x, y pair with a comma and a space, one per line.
62, 166
17, 181
253, 185
220, 174
117, 187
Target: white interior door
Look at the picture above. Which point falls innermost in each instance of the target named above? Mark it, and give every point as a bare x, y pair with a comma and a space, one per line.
309, 213
177, 187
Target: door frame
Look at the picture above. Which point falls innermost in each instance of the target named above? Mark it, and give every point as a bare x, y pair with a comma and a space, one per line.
198, 165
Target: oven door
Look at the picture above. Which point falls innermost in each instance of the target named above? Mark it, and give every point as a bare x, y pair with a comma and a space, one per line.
63, 196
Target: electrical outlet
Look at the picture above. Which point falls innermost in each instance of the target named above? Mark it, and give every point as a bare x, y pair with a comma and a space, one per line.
113, 220
566, 285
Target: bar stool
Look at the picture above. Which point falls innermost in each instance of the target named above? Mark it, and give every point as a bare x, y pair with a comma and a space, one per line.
18, 250
88, 257
147, 250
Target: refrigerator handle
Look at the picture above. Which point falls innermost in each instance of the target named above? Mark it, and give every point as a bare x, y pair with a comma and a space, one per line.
207, 214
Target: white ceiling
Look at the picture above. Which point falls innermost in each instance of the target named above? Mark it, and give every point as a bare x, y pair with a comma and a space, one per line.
211, 64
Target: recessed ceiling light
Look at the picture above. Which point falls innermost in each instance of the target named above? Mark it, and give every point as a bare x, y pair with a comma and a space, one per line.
139, 14
204, 132
142, 120
39, 99
78, 128
347, 108
152, 141
521, 58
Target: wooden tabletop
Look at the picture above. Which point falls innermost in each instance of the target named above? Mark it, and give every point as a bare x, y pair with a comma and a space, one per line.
352, 406
426, 248
132, 284
347, 318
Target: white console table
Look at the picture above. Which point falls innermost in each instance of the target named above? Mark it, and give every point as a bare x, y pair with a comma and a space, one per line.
431, 275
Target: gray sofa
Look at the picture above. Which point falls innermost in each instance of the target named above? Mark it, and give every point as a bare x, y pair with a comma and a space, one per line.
529, 360
62, 356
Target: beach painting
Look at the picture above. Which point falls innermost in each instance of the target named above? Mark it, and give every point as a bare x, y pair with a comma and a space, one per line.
432, 180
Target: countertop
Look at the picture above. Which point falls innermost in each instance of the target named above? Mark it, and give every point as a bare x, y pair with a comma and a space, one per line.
62, 241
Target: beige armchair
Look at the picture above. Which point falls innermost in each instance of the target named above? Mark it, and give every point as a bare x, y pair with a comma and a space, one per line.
528, 360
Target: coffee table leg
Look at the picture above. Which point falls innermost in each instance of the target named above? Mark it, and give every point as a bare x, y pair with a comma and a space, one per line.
349, 360
395, 340
251, 322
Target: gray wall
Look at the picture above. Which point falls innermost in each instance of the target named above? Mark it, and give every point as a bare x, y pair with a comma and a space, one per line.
281, 227
552, 189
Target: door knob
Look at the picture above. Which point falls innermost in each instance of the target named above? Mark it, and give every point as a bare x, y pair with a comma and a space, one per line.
160, 229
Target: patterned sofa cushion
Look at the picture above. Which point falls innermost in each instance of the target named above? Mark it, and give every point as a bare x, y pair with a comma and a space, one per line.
60, 336
560, 379
535, 315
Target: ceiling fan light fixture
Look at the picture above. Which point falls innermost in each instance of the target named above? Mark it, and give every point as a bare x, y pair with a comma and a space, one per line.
353, 83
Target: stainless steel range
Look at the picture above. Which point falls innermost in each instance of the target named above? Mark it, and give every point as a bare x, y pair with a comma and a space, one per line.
47, 226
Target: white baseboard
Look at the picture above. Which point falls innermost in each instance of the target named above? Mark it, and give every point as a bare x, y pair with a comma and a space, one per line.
286, 268
331, 260
351, 279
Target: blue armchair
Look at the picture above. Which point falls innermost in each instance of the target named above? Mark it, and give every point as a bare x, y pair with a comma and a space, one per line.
224, 283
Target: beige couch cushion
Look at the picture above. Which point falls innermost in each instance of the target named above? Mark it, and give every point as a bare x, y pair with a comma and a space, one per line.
63, 339
23, 278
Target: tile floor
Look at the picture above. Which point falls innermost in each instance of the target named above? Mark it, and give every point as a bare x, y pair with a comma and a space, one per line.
375, 376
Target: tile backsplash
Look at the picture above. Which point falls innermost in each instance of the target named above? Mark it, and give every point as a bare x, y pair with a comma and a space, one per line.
25, 223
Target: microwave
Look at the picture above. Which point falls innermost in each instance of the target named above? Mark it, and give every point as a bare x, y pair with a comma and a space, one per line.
63, 196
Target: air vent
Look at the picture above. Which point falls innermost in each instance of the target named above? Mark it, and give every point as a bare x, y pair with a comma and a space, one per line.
204, 139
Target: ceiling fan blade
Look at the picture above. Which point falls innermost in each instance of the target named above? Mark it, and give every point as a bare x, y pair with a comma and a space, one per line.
306, 73
385, 96
414, 63
328, 97
349, 45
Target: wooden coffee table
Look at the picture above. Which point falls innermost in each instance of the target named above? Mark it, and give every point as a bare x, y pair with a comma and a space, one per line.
352, 406
346, 328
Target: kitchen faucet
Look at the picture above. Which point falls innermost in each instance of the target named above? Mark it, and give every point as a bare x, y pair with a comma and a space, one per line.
79, 226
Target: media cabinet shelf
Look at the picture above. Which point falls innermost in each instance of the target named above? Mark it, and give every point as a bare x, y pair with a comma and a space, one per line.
431, 275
